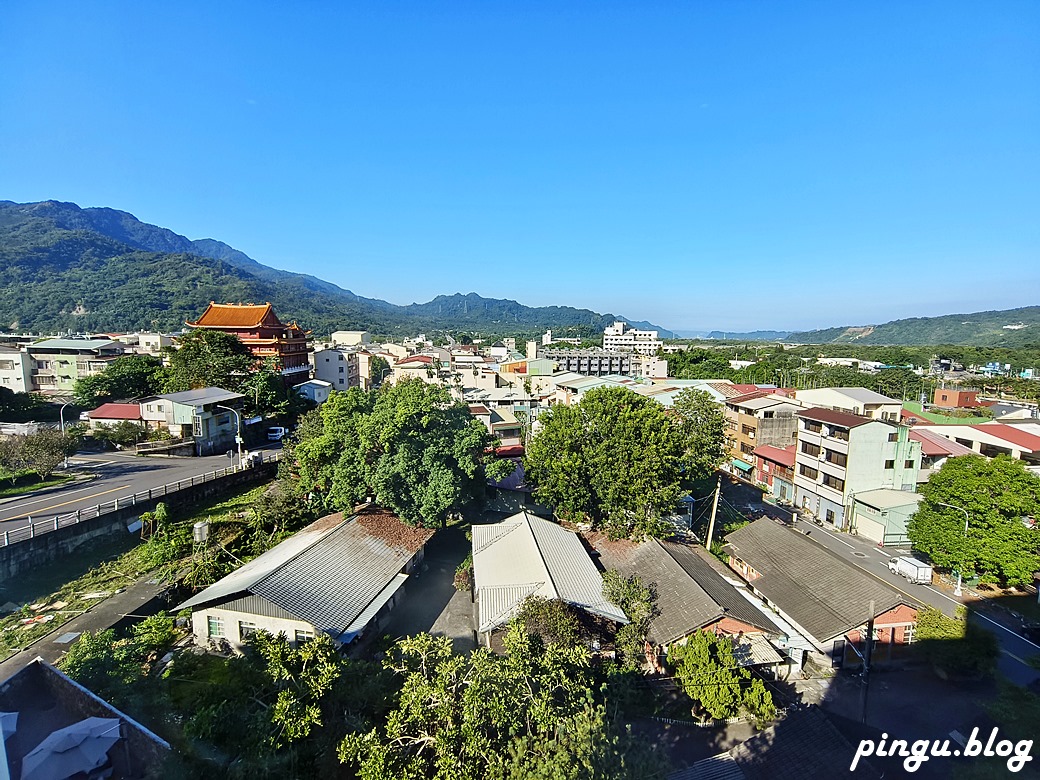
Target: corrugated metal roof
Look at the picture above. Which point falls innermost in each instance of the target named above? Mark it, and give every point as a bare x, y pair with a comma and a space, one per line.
888, 498
720, 767
523, 551
373, 608
328, 574
81, 344
204, 395
755, 650
822, 593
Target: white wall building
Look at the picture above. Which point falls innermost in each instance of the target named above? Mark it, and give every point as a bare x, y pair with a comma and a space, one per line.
15, 370
853, 400
624, 337
338, 366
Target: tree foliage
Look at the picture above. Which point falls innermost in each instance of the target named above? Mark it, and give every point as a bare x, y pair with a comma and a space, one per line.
125, 378
617, 460
407, 445
637, 600
998, 494
45, 450
957, 645
208, 358
528, 713
704, 425
707, 671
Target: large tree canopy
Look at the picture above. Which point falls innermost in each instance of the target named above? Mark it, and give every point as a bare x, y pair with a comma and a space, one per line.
208, 358
125, 378
620, 461
998, 495
408, 445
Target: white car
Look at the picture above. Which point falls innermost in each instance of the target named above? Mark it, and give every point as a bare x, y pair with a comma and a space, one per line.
276, 434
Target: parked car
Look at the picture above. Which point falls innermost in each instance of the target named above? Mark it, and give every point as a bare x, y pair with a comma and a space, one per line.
276, 434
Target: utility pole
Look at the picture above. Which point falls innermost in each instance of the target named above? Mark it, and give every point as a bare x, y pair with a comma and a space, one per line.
867, 653
714, 510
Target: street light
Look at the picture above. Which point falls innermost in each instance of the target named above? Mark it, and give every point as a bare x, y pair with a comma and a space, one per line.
61, 421
238, 423
383, 375
957, 591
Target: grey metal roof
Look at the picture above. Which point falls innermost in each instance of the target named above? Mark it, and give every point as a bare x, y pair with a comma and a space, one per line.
81, 344
683, 605
524, 556
692, 559
204, 395
329, 573
865, 396
824, 594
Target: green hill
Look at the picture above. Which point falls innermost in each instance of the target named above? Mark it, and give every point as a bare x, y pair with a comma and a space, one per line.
1011, 328
63, 268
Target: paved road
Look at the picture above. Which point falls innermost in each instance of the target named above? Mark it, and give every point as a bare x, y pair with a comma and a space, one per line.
1016, 649
118, 476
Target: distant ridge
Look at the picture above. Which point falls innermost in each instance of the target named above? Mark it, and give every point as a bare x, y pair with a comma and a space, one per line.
1004, 328
63, 268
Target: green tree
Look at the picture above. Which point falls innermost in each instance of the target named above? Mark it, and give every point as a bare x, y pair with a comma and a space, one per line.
17, 407
957, 646
45, 450
637, 600
704, 425
377, 367
124, 433
267, 394
407, 445
997, 494
708, 673
617, 460
208, 358
127, 377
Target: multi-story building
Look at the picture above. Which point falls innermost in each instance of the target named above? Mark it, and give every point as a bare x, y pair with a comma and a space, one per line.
351, 338
338, 366
853, 400
756, 419
590, 362
56, 364
264, 334
211, 416
624, 337
840, 455
774, 468
15, 370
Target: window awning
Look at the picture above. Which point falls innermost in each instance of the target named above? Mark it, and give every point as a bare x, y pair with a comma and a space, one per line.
742, 465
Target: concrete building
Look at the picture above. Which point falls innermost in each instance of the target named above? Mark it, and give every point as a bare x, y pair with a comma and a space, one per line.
774, 468
15, 370
853, 400
955, 399
202, 415
935, 451
756, 419
881, 515
840, 455
351, 338
338, 366
590, 362
1020, 441
315, 390
622, 336
56, 364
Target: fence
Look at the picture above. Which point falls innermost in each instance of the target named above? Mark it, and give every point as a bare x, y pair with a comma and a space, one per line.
36, 528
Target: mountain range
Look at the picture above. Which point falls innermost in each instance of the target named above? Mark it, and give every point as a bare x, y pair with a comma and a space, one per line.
66, 268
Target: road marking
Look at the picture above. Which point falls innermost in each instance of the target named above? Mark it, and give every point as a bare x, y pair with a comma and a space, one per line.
835, 538
51, 498
998, 625
66, 503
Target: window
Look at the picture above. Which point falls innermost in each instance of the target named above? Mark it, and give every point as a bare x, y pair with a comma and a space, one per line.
807, 471
841, 434
833, 482
908, 633
214, 626
890, 464
811, 449
812, 425
196, 426
909, 464
6, 365
246, 629
837, 458
830, 516
341, 369
746, 448
302, 637
893, 436
747, 430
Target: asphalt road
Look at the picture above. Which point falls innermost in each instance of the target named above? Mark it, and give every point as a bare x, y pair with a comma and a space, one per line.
1016, 649
117, 476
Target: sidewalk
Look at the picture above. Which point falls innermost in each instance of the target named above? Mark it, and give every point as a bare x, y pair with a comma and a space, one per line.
103, 615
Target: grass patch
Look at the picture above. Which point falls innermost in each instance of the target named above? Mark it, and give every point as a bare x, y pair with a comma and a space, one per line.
108, 566
943, 419
27, 483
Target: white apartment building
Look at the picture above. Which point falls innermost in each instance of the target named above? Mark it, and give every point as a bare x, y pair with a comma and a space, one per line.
15, 370
853, 400
622, 336
840, 455
337, 366
351, 338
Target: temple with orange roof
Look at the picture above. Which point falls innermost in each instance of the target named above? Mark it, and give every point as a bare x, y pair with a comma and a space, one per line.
258, 327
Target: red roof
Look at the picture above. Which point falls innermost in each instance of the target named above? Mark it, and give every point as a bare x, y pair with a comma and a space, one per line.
512, 451
841, 419
913, 417
785, 456
934, 445
237, 315
748, 396
416, 359
1021, 439
746, 388
116, 412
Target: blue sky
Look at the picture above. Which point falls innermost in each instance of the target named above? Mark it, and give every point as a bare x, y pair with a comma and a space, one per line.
730, 165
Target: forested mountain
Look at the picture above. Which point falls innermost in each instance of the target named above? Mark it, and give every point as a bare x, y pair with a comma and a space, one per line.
65, 268
1009, 328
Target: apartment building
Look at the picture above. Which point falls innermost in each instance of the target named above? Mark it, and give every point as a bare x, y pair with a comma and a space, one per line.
757, 419
622, 336
56, 364
840, 455
853, 400
590, 362
15, 370
339, 366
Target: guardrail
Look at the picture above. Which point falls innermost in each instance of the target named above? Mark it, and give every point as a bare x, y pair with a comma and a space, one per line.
36, 528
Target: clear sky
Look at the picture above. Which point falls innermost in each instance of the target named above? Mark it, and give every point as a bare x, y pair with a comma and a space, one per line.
725, 164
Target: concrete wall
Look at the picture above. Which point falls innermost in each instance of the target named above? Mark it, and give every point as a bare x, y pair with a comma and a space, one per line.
46, 548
